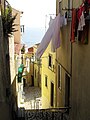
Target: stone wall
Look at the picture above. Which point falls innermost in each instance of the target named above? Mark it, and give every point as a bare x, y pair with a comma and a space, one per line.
4, 77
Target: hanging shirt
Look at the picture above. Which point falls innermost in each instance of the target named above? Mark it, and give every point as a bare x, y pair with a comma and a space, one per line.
56, 34
81, 18
80, 10
87, 1
81, 22
60, 22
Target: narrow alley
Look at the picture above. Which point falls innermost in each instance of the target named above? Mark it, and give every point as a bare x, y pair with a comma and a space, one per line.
32, 98
44, 60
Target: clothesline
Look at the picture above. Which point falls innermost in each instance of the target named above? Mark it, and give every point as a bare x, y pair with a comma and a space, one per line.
86, 2
52, 34
79, 25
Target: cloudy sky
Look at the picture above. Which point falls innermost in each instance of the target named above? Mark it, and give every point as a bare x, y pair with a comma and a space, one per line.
36, 16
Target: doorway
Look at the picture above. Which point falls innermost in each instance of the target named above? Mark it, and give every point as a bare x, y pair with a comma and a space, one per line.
52, 94
32, 78
24, 82
67, 90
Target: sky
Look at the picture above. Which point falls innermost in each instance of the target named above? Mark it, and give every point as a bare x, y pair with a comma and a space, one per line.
35, 17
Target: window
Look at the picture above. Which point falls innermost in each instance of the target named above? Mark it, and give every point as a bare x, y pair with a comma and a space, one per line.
50, 61
28, 64
52, 94
59, 76
22, 28
67, 90
69, 7
46, 80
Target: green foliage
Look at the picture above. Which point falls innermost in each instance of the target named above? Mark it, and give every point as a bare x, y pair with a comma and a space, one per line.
8, 22
20, 72
23, 49
21, 68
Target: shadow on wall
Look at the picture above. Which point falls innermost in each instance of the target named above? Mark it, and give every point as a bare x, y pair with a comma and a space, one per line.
14, 106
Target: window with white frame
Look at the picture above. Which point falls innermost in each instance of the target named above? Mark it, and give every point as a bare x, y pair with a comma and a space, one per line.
28, 64
59, 76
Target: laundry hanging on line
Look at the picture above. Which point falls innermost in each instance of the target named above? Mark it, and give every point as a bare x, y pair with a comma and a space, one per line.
52, 34
79, 25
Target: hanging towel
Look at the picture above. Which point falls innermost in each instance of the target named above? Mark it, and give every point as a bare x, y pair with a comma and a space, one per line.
53, 33
56, 34
44, 43
81, 22
81, 18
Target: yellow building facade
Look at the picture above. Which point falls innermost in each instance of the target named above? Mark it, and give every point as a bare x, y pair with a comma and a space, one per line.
63, 54
37, 68
11, 79
48, 81
15, 60
37, 73
26, 73
32, 71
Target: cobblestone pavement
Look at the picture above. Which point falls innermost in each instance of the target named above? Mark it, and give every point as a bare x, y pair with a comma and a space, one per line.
32, 98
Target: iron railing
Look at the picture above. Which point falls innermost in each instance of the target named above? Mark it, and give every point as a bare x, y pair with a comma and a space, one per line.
45, 114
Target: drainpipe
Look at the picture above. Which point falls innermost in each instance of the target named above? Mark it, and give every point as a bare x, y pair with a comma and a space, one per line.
71, 78
56, 80
71, 70
71, 50
71, 60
